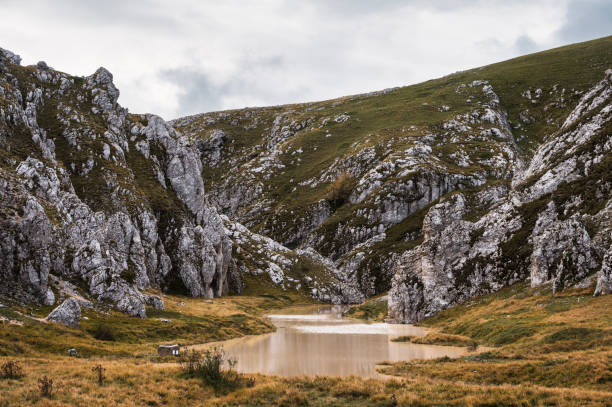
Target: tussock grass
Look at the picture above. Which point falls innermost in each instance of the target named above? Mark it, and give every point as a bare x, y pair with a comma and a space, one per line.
436, 338
556, 341
374, 309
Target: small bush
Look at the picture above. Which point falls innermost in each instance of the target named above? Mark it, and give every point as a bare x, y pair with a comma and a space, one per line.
340, 190
209, 366
434, 338
45, 384
104, 333
293, 399
11, 370
128, 275
99, 371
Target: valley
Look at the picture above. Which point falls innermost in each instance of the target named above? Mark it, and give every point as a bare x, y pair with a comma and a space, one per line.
462, 228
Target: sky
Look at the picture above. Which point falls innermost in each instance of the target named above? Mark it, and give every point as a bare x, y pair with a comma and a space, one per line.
181, 57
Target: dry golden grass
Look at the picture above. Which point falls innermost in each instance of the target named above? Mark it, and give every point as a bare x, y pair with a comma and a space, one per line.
551, 350
437, 338
561, 341
132, 382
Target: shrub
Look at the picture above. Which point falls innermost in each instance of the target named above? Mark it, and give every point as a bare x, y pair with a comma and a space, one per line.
99, 371
11, 370
292, 398
128, 275
340, 190
104, 333
208, 366
45, 385
434, 338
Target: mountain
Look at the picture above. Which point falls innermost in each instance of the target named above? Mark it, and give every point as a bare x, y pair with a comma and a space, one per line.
100, 204
435, 192
383, 183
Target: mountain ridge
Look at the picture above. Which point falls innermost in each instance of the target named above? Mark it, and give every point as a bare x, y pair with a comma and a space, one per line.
329, 198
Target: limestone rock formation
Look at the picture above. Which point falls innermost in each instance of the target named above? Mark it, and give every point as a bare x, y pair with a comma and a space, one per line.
436, 192
538, 230
604, 277
67, 313
99, 195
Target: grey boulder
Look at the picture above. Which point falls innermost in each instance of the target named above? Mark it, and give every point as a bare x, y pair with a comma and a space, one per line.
68, 313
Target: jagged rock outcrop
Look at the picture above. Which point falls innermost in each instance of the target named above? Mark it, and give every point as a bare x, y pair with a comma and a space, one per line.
604, 277
558, 245
26, 243
538, 230
115, 201
101, 196
67, 313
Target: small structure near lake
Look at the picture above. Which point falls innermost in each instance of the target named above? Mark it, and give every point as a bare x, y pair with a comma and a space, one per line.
168, 350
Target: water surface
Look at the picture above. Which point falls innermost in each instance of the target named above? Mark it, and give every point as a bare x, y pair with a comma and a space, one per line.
319, 341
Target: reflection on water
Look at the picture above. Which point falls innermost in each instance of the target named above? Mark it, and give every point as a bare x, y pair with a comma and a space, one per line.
323, 343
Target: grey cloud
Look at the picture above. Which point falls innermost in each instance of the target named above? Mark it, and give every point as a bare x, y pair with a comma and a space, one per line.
144, 13
363, 7
587, 20
526, 45
199, 92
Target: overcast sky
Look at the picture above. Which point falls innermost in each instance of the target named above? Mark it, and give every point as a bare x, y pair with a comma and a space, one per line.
181, 57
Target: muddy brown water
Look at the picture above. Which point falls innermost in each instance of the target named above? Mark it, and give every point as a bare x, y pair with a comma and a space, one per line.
319, 341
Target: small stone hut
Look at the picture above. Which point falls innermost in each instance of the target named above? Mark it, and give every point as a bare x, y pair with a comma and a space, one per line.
168, 350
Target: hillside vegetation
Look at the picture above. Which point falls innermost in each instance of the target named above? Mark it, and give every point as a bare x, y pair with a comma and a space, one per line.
398, 152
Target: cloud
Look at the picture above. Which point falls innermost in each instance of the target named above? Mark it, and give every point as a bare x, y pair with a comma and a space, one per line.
526, 45
249, 85
188, 56
586, 20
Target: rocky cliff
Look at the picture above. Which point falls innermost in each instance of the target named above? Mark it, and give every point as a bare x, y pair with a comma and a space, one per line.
94, 195
550, 224
112, 204
436, 192
386, 182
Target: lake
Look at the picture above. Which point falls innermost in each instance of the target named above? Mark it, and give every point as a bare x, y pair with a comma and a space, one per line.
320, 341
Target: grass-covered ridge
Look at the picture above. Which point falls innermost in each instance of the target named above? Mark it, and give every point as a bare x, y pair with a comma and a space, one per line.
185, 320
278, 163
374, 309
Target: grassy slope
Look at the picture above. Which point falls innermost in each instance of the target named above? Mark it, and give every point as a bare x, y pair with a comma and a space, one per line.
374, 309
379, 118
185, 320
547, 350
390, 123
562, 340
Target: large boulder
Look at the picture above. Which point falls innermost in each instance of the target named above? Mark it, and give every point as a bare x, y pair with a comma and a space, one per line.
67, 313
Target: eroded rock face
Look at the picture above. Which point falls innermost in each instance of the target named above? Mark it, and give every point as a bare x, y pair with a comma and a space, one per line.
68, 313
109, 205
259, 255
604, 277
562, 250
536, 230
26, 243
426, 280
